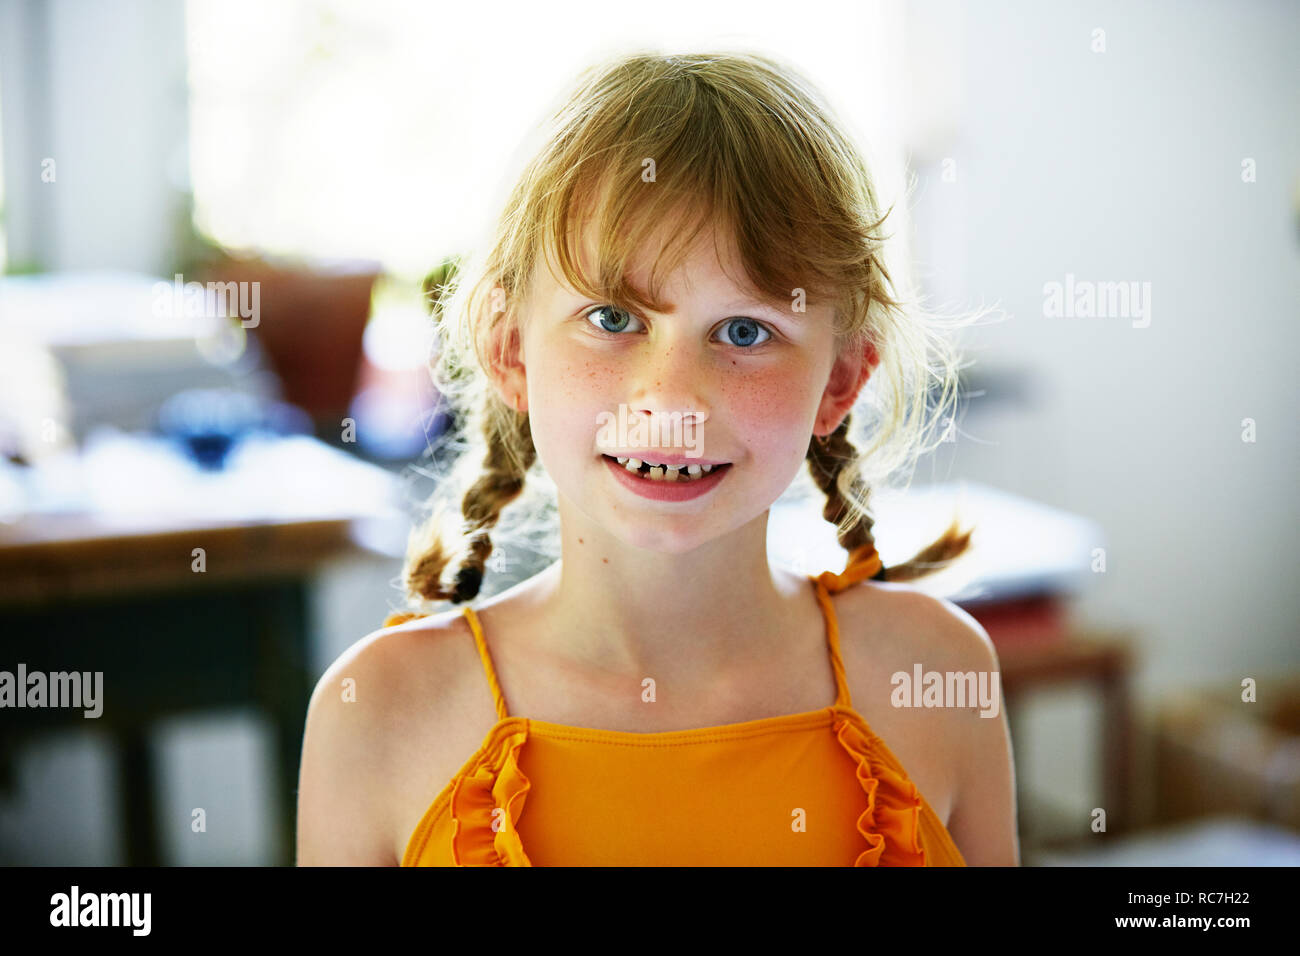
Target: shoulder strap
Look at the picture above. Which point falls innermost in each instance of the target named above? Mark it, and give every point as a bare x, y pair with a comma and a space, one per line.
401, 617
493, 683
862, 564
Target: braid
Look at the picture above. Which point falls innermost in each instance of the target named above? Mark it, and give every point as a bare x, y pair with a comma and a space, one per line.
501, 482
829, 461
832, 463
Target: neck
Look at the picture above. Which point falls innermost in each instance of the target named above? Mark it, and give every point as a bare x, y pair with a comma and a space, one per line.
636, 611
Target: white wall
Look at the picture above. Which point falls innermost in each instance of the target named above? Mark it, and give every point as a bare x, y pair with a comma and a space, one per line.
1126, 165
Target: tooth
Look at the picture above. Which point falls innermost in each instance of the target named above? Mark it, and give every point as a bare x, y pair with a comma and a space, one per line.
693, 469
671, 474
622, 461
632, 464
706, 468
657, 474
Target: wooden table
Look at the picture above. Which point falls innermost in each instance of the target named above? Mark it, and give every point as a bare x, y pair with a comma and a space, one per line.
1038, 649
118, 593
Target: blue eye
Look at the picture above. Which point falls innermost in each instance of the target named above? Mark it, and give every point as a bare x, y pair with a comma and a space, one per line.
746, 332
746, 336
622, 319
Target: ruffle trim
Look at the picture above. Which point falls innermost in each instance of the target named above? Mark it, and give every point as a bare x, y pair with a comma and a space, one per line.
891, 823
485, 807
486, 803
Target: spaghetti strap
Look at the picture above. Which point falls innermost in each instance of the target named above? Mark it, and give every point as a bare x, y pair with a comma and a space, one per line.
862, 564
502, 712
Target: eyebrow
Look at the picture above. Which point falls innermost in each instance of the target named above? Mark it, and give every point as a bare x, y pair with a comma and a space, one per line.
739, 304
781, 307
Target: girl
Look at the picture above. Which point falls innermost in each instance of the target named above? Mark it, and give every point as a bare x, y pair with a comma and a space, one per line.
682, 303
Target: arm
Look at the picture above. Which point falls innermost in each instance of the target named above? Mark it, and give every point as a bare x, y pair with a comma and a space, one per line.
983, 819
343, 819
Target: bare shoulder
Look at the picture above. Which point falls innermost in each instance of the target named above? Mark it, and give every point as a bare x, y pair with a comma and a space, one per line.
959, 761
928, 629
888, 629
910, 628
385, 705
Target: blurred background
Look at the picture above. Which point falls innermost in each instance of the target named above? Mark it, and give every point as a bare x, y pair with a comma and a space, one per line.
216, 220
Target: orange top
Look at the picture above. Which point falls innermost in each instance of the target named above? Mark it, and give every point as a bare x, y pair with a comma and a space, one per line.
812, 789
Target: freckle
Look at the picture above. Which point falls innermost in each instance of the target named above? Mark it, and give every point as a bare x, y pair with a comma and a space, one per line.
605, 560
579, 541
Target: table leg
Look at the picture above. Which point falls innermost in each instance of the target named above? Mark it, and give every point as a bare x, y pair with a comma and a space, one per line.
285, 690
1024, 818
1116, 744
137, 781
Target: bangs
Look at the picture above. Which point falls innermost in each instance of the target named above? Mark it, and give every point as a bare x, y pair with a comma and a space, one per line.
639, 183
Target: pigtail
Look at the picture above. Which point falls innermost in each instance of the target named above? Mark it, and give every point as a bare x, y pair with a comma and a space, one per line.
833, 464
445, 561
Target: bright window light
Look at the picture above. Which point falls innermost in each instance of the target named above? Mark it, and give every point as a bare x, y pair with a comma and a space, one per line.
386, 130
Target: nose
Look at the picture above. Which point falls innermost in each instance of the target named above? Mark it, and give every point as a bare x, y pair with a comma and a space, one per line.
670, 385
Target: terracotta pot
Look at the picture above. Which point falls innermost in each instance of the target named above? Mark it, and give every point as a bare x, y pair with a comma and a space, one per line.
310, 325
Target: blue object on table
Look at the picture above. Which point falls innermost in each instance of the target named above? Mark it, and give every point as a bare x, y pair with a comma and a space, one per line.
208, 423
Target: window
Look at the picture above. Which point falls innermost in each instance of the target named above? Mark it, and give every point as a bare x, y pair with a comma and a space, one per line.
386, 130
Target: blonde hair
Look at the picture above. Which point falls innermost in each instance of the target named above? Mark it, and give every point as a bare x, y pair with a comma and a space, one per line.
737, 140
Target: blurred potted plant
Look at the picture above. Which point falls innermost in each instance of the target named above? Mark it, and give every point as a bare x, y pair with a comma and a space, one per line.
309, 322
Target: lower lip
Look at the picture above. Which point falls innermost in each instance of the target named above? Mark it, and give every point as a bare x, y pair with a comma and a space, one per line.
667, 490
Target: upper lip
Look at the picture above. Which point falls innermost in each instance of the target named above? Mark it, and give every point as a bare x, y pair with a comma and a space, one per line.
663, 458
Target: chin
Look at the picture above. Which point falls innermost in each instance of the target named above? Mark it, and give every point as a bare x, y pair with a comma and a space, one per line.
681, 536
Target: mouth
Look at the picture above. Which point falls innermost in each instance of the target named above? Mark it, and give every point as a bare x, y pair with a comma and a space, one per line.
676, 471
662, 481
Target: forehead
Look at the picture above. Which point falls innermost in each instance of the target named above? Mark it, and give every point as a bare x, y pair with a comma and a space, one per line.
710, 269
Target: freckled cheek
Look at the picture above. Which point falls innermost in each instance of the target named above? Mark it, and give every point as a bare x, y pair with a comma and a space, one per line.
568, 392
567, 379
771, 406
770, 411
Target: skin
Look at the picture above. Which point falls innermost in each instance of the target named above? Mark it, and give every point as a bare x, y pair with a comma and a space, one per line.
755, 406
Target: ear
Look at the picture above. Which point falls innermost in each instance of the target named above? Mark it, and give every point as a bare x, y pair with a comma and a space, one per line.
504, 363
853, 366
